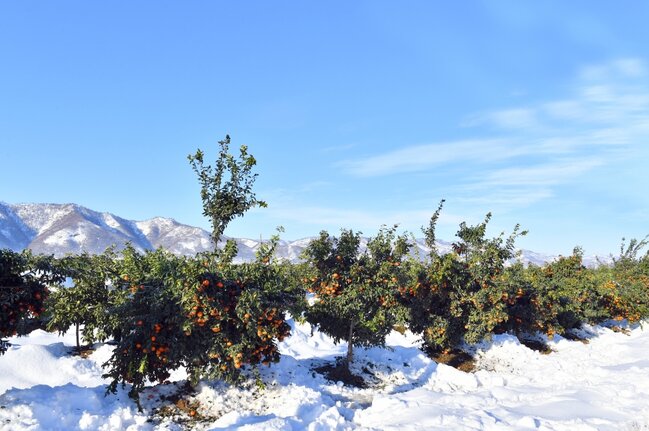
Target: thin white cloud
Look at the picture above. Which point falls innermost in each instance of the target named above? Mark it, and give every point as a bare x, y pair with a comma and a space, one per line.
538, 147
521, 118
548, 174
364, 220
422, 157
313, 185
569, 110
613, 70
337, 148
509, 188
505, 199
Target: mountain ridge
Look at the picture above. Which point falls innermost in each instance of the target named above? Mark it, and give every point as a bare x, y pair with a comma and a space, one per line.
69, 228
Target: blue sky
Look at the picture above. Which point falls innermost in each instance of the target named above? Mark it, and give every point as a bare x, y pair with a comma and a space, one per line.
359, 113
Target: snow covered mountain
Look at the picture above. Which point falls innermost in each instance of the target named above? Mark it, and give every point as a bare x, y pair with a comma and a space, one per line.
60, 229
68, 228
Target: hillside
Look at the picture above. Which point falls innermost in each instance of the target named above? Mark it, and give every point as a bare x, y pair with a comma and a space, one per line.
61, 229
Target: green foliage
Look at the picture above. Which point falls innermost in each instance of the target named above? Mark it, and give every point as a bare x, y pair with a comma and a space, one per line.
631, 263
467, 295
235, 314
460, 296
226, 188
572, 294
625, 283
355, 292
151, 318
89, 301
217, 320
568, 292
564, 294
429, 232
24, 284
630, 272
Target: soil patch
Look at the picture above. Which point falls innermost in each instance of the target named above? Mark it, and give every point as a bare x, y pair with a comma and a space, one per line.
536, 345
620, 329
339, 372
83, 351
455, 358
179, 407
574, 337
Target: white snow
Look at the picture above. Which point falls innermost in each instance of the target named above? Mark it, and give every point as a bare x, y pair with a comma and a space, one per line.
602, 385
250, 243
41, 217
63, 236
156, 223
111, 221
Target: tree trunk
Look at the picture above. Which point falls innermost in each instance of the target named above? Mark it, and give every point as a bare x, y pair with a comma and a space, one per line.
77, 333
350, 345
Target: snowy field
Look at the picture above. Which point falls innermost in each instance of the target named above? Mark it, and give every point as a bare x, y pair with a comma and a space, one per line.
599, 385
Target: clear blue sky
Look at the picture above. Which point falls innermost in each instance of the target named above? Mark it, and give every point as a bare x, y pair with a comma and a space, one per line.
359, 113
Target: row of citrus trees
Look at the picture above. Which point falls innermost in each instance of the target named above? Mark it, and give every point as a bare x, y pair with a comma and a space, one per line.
162, 311
223, 320
220, 319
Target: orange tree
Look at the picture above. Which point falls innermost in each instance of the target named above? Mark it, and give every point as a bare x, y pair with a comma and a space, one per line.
628, 286
235, 314
24, 284
569, 293
217, 319
355, 290
151, 318
617, 291
563, 294
460, 296
566, 294
574, 294
226, 187
237, 311
530, 304
88, 301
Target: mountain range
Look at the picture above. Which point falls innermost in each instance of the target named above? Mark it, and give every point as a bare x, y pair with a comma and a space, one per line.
61, 229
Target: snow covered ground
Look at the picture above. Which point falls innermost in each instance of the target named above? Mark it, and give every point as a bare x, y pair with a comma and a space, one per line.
602, 385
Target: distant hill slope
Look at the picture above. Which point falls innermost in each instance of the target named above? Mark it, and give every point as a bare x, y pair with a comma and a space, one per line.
61, 229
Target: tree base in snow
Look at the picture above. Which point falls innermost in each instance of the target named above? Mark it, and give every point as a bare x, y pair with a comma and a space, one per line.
339, 372
454, 358
536, 345
83, 351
